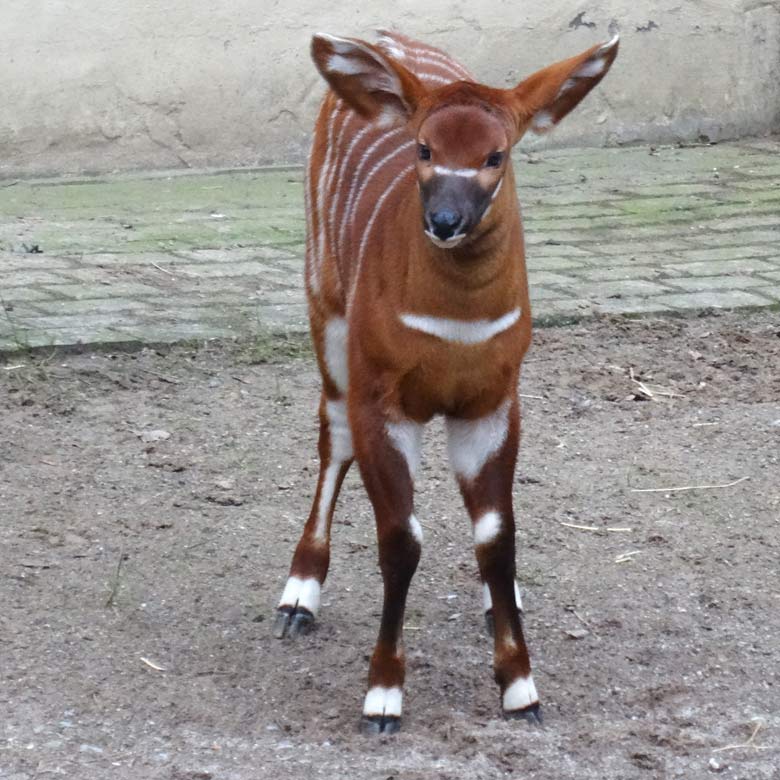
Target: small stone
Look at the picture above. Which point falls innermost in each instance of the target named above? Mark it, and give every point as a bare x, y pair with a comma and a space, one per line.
151, 436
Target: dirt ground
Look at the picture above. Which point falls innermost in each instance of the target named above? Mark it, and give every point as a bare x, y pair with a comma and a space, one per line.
150, 506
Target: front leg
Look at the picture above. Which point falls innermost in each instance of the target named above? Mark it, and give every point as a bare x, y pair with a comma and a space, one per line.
387, 451
483, 453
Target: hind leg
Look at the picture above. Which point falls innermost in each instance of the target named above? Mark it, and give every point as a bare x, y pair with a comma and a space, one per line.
300, 599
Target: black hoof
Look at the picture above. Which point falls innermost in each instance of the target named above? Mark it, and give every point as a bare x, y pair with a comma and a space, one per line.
380, 724
531, 714
292, 622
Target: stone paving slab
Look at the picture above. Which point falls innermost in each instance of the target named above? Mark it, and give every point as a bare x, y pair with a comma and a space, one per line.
178, 256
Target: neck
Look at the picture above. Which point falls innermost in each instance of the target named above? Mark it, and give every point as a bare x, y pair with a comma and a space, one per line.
483, 277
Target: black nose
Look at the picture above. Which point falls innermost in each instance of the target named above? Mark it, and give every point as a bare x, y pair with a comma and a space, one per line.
443, 223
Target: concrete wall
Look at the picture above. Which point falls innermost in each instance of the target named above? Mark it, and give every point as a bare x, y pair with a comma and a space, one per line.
97, 85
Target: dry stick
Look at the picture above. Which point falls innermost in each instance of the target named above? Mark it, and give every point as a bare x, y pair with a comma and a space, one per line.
165, 271
169, 379
12, 368
584, 622
115, 583
537, 397
648, 392
594, 527
626, 557
689, 487
642, 388
152, 665
749, 743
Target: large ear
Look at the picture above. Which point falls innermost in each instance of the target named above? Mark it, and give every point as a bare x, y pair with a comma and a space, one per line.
545, 97
370, 81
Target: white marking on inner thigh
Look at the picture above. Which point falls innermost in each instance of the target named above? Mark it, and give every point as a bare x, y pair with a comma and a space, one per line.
326, 500
416, 529
336, 352
340, 432
487, 528
487, 601
383, 701
406, 437
304, 593
520, 694
471, 443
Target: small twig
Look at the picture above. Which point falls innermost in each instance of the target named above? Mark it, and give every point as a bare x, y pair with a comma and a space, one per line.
115, 584
583, 621
750, 743
169, 379
640, 385
645, 388
240, 379
594, 528
536, 397
152, 665
164, 270
12, 368
689, 487
626, 557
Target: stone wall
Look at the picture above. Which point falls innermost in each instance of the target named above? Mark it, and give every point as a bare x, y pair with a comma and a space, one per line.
98, 86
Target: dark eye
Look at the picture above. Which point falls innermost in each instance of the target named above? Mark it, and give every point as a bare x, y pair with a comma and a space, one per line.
423, 152
494, 160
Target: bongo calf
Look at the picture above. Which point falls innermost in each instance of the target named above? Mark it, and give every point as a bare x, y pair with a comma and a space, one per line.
418, 301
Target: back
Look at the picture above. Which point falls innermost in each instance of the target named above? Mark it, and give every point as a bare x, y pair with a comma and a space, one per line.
356, 168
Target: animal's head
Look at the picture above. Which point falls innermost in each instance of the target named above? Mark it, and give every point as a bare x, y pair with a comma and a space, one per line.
464, 131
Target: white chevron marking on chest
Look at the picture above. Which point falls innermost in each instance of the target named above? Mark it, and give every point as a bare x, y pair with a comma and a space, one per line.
461, 331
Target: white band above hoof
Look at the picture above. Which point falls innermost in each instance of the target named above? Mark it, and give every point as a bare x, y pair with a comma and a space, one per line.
520, 694
301, 593
381, 701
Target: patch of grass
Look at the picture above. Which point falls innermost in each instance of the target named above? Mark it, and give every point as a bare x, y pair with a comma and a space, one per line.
270, 346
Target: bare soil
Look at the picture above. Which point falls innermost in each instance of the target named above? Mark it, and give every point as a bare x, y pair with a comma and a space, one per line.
139, 570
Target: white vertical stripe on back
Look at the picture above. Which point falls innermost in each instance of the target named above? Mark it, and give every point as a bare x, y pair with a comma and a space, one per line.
337, 195
373, 172
355, 179
321, 231
311, 251
369, 224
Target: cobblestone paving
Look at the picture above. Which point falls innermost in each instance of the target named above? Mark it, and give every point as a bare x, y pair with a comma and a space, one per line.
161, 258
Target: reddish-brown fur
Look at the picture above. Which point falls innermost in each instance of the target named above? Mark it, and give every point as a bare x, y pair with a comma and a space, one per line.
369, 262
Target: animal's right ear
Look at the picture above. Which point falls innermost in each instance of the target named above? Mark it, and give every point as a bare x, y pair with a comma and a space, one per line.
370, 81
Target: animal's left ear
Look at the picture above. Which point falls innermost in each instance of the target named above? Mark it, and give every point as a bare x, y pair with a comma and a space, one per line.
545, 97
